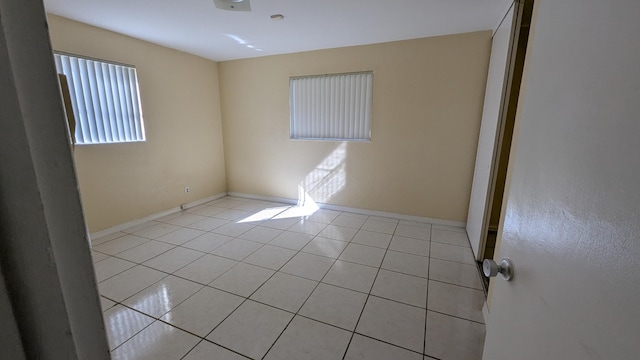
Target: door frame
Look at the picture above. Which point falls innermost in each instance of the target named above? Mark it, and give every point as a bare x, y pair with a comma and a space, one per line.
499, 142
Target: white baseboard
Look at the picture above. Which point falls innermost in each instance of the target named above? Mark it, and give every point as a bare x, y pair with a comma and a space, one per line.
451, 223
115, 229
173, 210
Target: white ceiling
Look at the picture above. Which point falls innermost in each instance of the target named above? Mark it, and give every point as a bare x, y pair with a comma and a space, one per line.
198, 27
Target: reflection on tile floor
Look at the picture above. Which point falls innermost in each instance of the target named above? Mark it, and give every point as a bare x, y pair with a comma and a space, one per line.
237, 278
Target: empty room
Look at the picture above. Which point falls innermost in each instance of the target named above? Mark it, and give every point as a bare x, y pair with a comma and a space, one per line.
245, 179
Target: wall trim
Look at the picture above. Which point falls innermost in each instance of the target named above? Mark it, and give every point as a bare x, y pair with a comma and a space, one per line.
115, 229
456, 224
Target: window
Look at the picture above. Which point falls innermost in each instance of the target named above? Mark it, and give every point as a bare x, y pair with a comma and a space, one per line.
331, 107
105, 100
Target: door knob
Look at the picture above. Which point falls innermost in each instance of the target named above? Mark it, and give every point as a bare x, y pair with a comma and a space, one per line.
491, 269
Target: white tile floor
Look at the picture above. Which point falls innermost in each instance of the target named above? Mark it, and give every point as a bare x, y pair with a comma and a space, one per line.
236, 278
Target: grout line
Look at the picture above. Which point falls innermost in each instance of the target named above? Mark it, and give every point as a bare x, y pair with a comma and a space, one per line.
455, 316
279, 270
386, 342
368, 296
426, 304
312, 291
450, 283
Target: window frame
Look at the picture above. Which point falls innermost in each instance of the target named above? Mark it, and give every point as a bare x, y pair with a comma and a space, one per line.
366, 118
106, 112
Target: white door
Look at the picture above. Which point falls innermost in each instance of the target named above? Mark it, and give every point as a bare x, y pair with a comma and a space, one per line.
477, 217
571, 224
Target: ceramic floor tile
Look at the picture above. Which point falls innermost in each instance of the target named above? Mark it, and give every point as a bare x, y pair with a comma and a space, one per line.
308, 266
461, 254
180, 236
416, 223
261, 234
191, 209
449, 237
123, 323
159, 298
349, 221
410, 245
309, 339
120, 244
110, 267
364, 348
228, 202
146, 251
336, 232
381, 226
232, 215
456, 300
156, 230
372, 239
251, 329
184, 219
455, 273
207, 242
106, 303
383, 218
206, 269
335, 306
449, 228
281, 224
144, 225
406, 263
325, 247
323, 216
129, 282
351, 276
98, 256
412, 231
207, 210
393, 322
207, 351
271, 257
307, 227
158, 341
363, 254
404, 288
173, 259
295, 212
252, 205
237, 249
261, 217
243, 279
203, 311
168, 217
208, 224
104, 239
291, 240
285, 291
233, 229
448, 337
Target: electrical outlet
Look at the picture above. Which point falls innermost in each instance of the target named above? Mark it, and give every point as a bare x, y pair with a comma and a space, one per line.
187, 190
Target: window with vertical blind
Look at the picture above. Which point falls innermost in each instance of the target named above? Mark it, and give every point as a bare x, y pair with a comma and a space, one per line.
105, 99
331, 107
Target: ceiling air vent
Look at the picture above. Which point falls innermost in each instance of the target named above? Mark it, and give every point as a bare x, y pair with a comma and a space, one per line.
233, 5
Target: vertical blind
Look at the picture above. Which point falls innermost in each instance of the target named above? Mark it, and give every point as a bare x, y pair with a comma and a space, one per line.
331, 107
105, 99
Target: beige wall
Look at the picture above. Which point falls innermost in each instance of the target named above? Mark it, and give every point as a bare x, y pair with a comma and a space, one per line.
180, 103
427, 107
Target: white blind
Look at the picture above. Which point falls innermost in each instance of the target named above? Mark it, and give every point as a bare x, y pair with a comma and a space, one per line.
331, 107
105, 99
